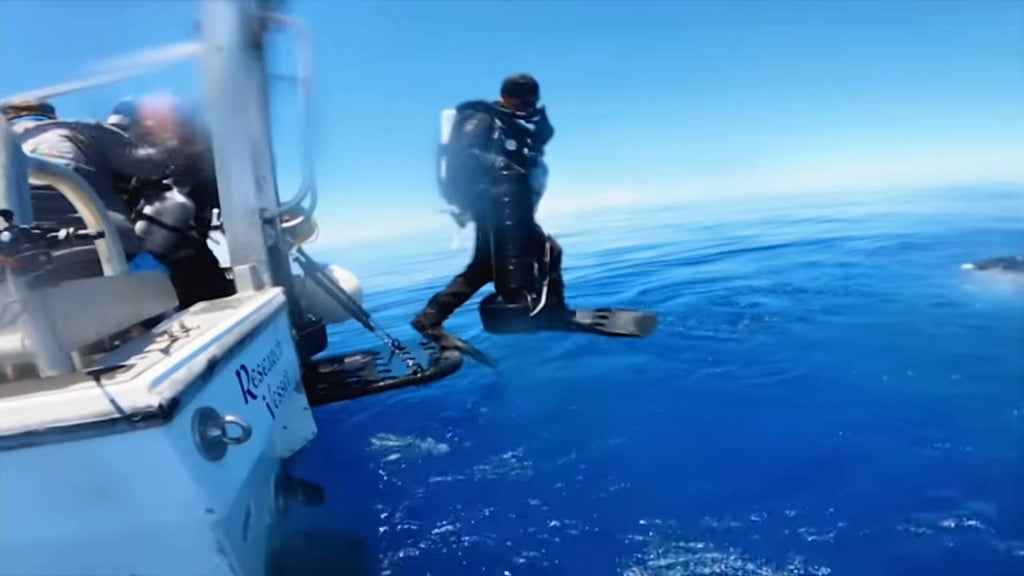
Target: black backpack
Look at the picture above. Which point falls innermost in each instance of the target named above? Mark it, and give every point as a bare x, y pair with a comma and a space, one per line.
461, 182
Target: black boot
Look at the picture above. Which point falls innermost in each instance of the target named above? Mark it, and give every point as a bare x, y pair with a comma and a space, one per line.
427, 321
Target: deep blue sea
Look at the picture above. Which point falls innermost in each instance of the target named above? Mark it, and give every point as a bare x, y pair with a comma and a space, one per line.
828, 393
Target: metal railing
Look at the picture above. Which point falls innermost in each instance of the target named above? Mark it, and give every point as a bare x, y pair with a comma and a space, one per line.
33, 336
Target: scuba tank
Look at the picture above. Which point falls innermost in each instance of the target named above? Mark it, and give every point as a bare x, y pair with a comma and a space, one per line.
458, 210
452, 188
447, 123
162, 218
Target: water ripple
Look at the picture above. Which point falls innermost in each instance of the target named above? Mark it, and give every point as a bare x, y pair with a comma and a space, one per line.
827, 393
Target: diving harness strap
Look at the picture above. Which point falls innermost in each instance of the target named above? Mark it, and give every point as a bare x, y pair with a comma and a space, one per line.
315, 273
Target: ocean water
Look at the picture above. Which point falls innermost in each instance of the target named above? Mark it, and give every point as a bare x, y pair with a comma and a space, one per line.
827, 393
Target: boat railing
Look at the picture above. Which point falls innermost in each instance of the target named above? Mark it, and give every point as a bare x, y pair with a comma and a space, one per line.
33, 337
88, 205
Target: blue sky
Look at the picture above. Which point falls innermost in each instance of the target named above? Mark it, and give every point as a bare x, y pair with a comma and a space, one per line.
654, 101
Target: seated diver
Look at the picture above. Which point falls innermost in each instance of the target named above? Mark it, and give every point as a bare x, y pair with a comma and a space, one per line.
493, 174
194, 269
101, 156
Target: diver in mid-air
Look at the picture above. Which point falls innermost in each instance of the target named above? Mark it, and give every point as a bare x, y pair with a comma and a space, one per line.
491, 170
486, 140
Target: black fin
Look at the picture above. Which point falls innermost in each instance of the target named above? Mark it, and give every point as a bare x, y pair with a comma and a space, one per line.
613, 322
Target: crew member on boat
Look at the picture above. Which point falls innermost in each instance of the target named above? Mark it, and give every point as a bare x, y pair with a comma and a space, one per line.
164, 121
102, 156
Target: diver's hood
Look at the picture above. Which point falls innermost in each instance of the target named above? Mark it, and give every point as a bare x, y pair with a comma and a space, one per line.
496, 109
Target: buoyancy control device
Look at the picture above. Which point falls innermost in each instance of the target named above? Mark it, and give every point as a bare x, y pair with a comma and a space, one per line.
467, 165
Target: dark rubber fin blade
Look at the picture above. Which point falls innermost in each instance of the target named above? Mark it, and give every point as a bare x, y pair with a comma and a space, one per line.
614, 322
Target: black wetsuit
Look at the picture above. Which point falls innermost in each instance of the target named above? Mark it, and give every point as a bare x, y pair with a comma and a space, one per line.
195, 271
478, 156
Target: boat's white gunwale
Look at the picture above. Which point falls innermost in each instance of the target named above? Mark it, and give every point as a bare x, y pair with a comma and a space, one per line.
147, 394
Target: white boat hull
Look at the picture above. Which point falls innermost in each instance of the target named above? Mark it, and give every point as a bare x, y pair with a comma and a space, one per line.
143, 499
